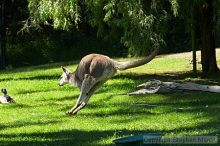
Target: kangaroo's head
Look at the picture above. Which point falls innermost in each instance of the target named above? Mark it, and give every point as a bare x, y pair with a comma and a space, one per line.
64, 78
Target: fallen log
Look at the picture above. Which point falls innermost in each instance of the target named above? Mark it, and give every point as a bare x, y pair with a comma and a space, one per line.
157, 86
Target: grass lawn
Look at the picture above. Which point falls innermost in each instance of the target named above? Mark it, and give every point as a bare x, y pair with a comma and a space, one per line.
37, 117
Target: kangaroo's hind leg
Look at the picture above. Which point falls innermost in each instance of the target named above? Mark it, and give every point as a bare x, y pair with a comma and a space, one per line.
78, 102
86, 99
87, 84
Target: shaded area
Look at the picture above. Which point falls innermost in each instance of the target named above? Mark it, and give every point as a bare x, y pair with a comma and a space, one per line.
16, 106
67, 137
39, 77
79, 137
39, 67
20, 124
175, 76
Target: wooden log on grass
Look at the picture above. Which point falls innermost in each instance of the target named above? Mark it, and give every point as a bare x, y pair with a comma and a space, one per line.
157, 86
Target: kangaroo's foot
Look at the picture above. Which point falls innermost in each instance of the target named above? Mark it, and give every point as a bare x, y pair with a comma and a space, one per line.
71, 113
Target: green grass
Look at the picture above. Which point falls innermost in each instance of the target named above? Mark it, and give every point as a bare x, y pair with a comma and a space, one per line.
37, 117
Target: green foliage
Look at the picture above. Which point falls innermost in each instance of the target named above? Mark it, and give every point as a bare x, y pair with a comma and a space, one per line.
139, 26
178, 37
142, 23
61, 14
96, 15
174, 6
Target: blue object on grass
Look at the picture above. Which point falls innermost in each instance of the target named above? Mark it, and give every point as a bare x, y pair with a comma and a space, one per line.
147, 139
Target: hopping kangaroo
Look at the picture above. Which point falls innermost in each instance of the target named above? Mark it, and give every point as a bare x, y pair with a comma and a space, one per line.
93, 71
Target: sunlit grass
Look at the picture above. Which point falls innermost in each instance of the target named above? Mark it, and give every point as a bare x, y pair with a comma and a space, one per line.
37, 117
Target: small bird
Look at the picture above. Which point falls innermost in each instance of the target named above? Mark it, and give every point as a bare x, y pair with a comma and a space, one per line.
5, 98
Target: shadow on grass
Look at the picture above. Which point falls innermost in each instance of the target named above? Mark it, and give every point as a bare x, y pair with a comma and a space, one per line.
38, 77
39, 67
191, 99
76, 137
175, 76
20, 124
71, 99
16, 105
66, 137
44, 90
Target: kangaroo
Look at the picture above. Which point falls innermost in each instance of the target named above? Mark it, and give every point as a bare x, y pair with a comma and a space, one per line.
93, 71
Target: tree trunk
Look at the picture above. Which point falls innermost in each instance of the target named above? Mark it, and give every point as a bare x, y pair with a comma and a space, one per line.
2, 36
208, 54
193, 39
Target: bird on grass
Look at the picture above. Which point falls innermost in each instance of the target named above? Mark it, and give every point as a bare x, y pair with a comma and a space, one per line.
5, 98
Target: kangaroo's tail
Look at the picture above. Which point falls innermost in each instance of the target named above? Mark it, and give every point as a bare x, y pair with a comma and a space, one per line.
131, 64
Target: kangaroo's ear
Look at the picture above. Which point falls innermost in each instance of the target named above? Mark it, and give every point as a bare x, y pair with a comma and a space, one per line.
65, 70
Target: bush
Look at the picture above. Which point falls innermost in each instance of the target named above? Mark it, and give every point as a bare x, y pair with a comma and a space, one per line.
56, 46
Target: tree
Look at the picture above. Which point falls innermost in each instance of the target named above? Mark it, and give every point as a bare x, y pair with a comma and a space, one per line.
11, 13
202, 15
142, 24
207, 30
2, 35
193, 39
